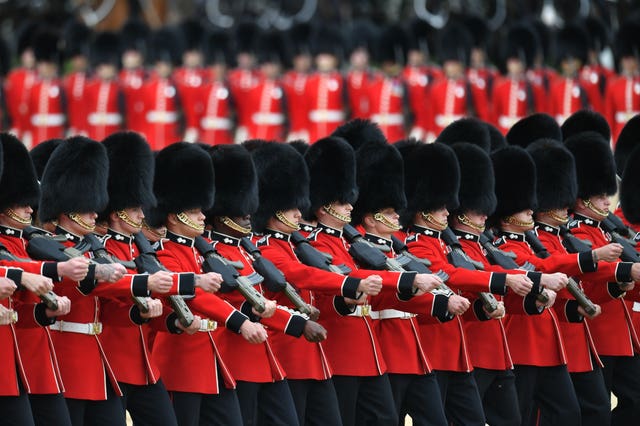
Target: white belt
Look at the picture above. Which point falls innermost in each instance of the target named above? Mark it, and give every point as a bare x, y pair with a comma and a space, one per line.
268, 118
104, 119
624, 116
361, 311
636, 306
388, 119
46, 120
13, 317
443, 120
207, 325
326, 115
507, 121
391, 314
91, 328
215, 123
162, 117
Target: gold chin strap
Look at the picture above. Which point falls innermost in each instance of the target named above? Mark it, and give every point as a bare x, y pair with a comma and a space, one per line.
231, 224
146, 226
513, 221
330, 210
280, 216
466, 221
127, 219
429, 218
590, 206
555, 216
13, 215
182, 217
385, 221
77, 219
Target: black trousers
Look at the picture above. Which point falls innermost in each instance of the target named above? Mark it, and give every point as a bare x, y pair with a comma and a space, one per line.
622, 377
365, 400
16, 410
266, 403
50, 410
594, 400
418, 395
197, 409
546, 396
97, 413
316, 402
497, 389
462, 403
149, 405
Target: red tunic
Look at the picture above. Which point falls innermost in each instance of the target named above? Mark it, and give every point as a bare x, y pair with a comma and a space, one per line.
190, 83
294, 84
387, 99
46, 111
417, 81
514, 100
265, 110
215, 124
593, 80
102, 109
621, 102
325, 104
75, 86
131, 82
357, 83
566, 96
162, 110
17, 87
240, 82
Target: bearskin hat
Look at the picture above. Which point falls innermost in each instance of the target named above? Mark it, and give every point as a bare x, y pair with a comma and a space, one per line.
629, 194
246, 35
583, 121
192, 33
626, 40
432, 175
599, 36
300, 145
106, 48
557, 183
392, 45
420, 36
165, 46
327, 39
332, 172
283, 181
359, 131
455, 43
25, 31
497, 138
572, 42
75, 179
479, 30
595, 166
515, 174
135, 35
272, 48
251, 144
521, 42
41, 153
380, 179
406, 148
184, 179
236, 181
46, 46
534, 127
76, 36
477, 183
361, 34
628, 140
299, 39
19, 184
131, 169
468, 129
217, 48
5, 57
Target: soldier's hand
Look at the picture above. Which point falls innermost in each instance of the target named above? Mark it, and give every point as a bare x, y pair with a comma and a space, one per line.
609, 253
6, 315
314, 332
253, 332
457, 304
627, 286
209, 282
555, 282
269, 309
314, 313
75, 269
37, 284
160, 282
552, 299
520, 284
359, 301
7, 287
498, 313
635, 272
64, 307
193, 328
426, 282
155, 309
582, 312
371, 286
110, 272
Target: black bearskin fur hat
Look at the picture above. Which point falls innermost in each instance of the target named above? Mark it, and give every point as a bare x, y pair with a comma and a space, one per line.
359, 131
19, 184
534, 127
628, 140
595, 166
557, 184
467, 129
477, 183
515, 174
585, 120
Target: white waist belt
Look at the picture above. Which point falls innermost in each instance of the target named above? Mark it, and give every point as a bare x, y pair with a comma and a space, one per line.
207, 325
91, 328
361, 311
624, 116
268, 118
390, 314
215, 123
388, 119
326, 115
636, 306
443, 120
12, 318
162, 117
46, 120
104, 118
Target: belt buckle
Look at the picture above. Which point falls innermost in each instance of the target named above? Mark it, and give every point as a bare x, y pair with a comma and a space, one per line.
365, 310
14, 316
211, 325
96, 328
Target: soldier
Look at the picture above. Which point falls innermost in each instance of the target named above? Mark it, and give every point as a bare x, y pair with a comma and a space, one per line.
103, 103
135, 34
613, 332
294, 80
202, 392
625, 146
360, 39
77, 37
480, 73
594, 75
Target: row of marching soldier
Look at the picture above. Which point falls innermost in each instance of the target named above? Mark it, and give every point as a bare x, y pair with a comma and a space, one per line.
213, 86
479, 279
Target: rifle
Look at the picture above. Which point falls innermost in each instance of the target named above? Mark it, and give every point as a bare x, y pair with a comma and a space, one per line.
368, 253
148, 262
572, 286
624, 230
572, 243
274, 279
311, 256
231, 278
629, 253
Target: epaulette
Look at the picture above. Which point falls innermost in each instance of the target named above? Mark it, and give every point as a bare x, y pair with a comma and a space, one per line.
264, 241
500, 241
574, 224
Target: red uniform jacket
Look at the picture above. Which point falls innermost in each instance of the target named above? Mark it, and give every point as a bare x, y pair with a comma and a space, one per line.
566, 96
514, 100
613, 330
215, 125
75, 86
417, 81
240, 82
294, 84
102, 108
324, 93
387, 105
357, 83
131, 83
46, 111
265, 109
593, 80
17, 88
162, 112
621, 102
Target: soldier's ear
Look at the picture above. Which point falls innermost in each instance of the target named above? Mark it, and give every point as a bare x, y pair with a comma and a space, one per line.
368, 220
172, 219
